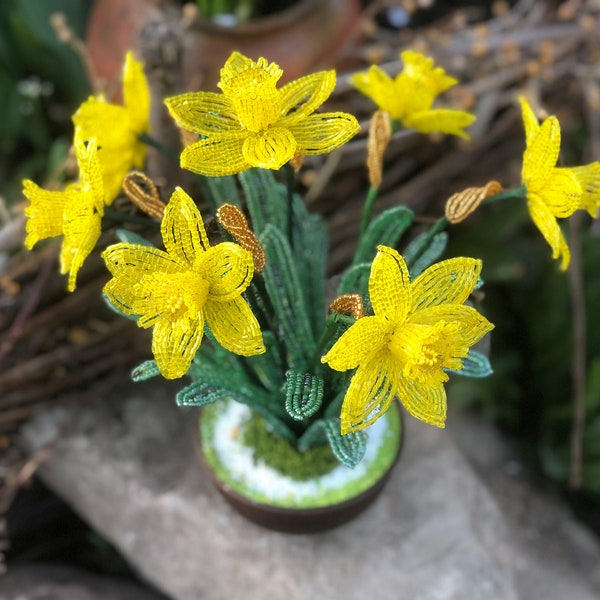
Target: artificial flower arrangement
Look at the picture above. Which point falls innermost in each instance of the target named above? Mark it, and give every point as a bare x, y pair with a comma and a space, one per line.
245, 316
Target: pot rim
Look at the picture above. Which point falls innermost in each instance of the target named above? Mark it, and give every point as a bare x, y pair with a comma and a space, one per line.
382, 473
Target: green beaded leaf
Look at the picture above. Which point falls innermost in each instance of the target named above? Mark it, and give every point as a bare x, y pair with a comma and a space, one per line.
268, 367
268, 205
355, 280
303, 394
129, 237
475, 364
287, 298
386, 229
200, 393
419, 259
310, 247
349, 449
222, 190
146, 370
266, 200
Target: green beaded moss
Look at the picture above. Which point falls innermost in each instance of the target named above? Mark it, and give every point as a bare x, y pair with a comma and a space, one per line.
367, 473
280, 455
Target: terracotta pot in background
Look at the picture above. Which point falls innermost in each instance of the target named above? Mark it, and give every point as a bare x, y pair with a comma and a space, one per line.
305, 37
186, 54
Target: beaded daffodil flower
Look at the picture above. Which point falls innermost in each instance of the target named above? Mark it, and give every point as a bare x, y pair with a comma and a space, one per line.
74, 213
419, 329
118, 128
409, 97
255, 124
554, 191
176, 292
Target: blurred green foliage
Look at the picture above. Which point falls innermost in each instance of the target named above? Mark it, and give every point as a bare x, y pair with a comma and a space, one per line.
42, 81
528, 298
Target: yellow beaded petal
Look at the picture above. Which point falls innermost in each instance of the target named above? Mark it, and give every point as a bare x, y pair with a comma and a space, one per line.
473, 326
323, 132
206, 113
416, 95
370, 393
44, 213
251, 87
109, 124
215, 157
541, 154
81, 229
423, 402
234, 326
530, 121
448, 121
90, 173
133, 268
422, 70
96, 118
174, 345
270, 149
548, 226
239, 66
380, 87
447, 282
562, 193
588, 177
129, 262
182, 228
363, 338
389, 285
228, 269
303, 96
136, 94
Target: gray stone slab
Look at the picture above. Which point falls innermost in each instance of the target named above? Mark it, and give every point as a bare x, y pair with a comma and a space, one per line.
129, 467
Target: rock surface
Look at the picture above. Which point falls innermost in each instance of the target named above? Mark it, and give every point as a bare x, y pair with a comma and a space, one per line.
53, 582
129, 468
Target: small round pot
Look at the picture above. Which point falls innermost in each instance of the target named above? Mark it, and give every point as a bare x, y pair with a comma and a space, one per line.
236, 476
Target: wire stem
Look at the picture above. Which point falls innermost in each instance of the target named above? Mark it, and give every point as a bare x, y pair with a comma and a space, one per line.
123, 218
518, 192
436, 228
368, 209
150, 141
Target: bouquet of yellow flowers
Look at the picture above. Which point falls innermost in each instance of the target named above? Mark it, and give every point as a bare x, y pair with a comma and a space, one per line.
243, 312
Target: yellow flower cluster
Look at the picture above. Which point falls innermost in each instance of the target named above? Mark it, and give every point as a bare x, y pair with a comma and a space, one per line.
178, 290
419, 329
410, 96
554, 191
107, 147
118, 128
255, 124
74, 213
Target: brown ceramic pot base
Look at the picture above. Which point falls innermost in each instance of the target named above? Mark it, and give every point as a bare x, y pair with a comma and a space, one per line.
299, 520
